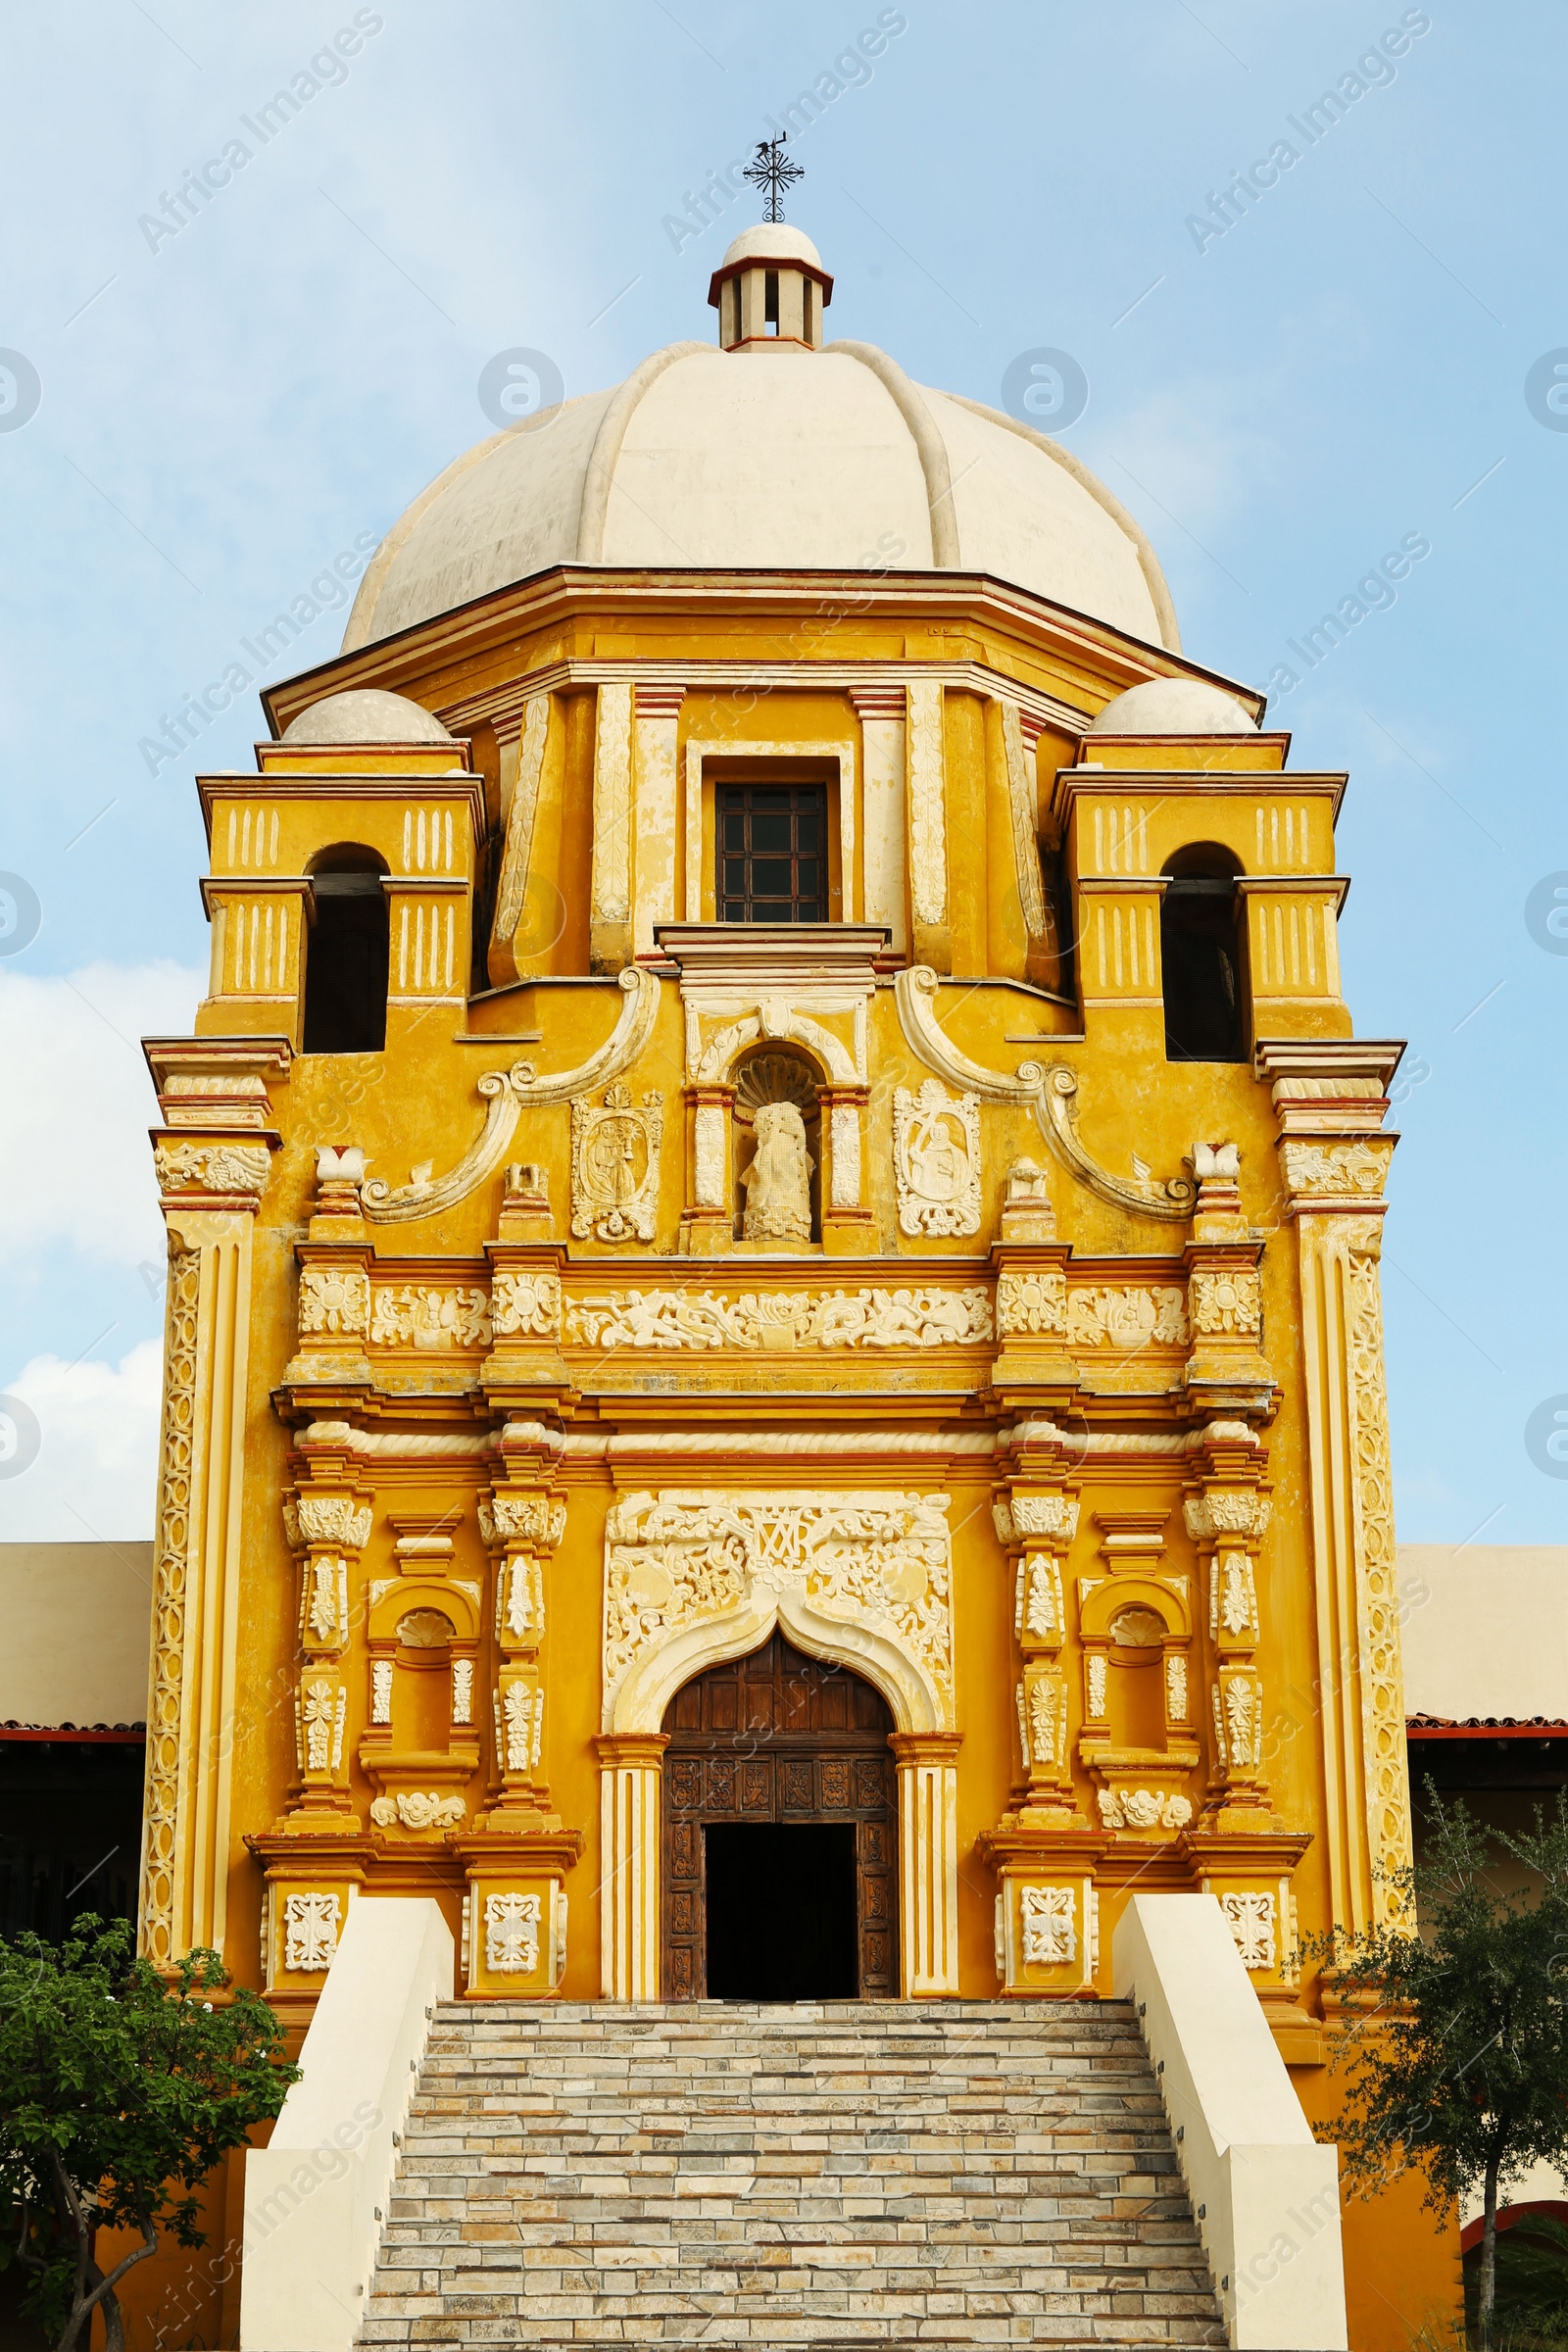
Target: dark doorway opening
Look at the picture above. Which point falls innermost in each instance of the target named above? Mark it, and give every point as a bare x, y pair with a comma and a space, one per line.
781, 1918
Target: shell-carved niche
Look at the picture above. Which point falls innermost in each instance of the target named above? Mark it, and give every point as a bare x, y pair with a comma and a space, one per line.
778, 1148
1139, 1738
421, 1747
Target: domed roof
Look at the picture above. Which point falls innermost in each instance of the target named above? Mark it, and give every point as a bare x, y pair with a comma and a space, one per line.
767, 457
1174, 707
365, 714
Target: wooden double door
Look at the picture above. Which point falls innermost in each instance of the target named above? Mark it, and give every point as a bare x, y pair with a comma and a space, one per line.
781, 1834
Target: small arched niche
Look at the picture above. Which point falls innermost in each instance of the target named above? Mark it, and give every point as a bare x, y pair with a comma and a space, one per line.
421, 1687
776, 1074
1200, 955
1136, 1698
346, 958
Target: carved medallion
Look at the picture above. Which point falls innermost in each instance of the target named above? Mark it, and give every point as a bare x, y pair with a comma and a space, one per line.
334, 1299
936, 1159
615, 1166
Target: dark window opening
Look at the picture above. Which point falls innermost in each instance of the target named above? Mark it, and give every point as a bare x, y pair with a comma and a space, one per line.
772, 854
770, 300
1200, 956
346, 958
70, 1831
781, 1911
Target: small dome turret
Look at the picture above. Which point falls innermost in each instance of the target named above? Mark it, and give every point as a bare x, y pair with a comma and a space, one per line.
770, 287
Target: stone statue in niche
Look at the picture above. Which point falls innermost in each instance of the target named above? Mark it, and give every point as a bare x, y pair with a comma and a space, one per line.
778, 1182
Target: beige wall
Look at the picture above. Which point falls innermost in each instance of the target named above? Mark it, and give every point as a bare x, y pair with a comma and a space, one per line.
1485, 1630
77, 1622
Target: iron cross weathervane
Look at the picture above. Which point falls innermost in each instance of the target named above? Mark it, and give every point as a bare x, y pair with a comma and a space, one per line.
773, 171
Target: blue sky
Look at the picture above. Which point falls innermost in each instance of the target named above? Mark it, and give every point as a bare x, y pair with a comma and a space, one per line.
225, 409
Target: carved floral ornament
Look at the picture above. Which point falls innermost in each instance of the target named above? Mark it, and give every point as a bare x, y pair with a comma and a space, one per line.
1142, 1809
1048, 1916
327, 1519
1226, 1513
525, 1306
417, 1809
310, 1932
1038, 1302
213, 1168
1225, 1301
512, 1922
615, 1166
1249, 1916
928, 1317
423, 1316
522, 1518
334, 1299
875, 1565
1346, 1170
935, 1160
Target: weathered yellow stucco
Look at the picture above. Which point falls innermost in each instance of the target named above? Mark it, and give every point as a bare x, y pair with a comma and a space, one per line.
1120, 1382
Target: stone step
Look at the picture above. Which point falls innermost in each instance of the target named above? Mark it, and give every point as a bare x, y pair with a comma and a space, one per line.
839, 2174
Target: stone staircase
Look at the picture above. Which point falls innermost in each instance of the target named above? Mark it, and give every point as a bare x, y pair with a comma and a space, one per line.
841, 2173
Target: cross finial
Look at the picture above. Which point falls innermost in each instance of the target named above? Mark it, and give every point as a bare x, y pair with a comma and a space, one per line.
773, 171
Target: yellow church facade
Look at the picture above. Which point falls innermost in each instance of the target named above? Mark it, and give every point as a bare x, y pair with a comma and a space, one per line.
774, 1087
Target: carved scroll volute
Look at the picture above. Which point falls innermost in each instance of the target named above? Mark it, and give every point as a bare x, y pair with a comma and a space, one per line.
328, 1526
522, 1522
1227, 1521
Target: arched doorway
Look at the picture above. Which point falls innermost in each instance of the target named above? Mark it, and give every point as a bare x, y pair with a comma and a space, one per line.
781, 1834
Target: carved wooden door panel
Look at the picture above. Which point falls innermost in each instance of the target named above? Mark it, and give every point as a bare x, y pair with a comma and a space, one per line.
779, 1736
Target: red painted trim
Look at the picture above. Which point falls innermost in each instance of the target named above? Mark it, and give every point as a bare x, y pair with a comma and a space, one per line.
67, 1739
1508, 2216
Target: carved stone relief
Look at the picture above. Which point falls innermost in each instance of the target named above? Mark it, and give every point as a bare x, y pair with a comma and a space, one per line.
412, 1316
525, 1306
1046, 1515
778, 1182
1142, 1809
512, 1934
1344, 1168
380, 1689
1103, 1317
310, 1932
882, 1560
417, 1809
214, 1167
1032, 1303
463, 1690
935, 1160
1251, 1919
334, 1299
1225, 1301
330, 1519
928, 1317
1049, 1926
615, 1166
1176, 1687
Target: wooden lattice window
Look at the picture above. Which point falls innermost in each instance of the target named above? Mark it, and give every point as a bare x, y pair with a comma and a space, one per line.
772, 864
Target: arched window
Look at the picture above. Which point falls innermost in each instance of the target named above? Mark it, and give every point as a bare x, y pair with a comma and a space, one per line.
1200, 956
346, 959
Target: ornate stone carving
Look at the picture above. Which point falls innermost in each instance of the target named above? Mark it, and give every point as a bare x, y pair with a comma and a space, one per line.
334, 1299
1231, 1599
935, 1160
1049, 1916
773, 1319
1043, 1722
882, 1560
1142, 1809
333, 1519
380, 1689
214, 1167
417, 1809
310, 1932
164, 1745
327, 1612
1096, 1676
1251, 1919
615, 1166
1103, 1317
1043, 1616
414, 1315
516, 1709
1347, 1169
525, 1306
1176, 1687
512, 1934
463, 1690
1242, 1721
708, 1134
1051, 1093
508, 1093
317, 1711
1231, 1514
778, 1183
534, 1518
844, 1131
1046, 1515
1224, 1301
1033, 1302
1388, 1796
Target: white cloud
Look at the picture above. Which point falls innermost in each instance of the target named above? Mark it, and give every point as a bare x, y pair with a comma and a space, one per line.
74, 1163
95, 1427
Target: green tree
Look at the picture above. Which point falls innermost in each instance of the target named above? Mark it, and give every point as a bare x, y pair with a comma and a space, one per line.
1457, 2061
118, 2092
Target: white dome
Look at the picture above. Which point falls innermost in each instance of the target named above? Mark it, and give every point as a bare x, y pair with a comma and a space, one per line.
773, 241
1174, 707
365, 714
731, 460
